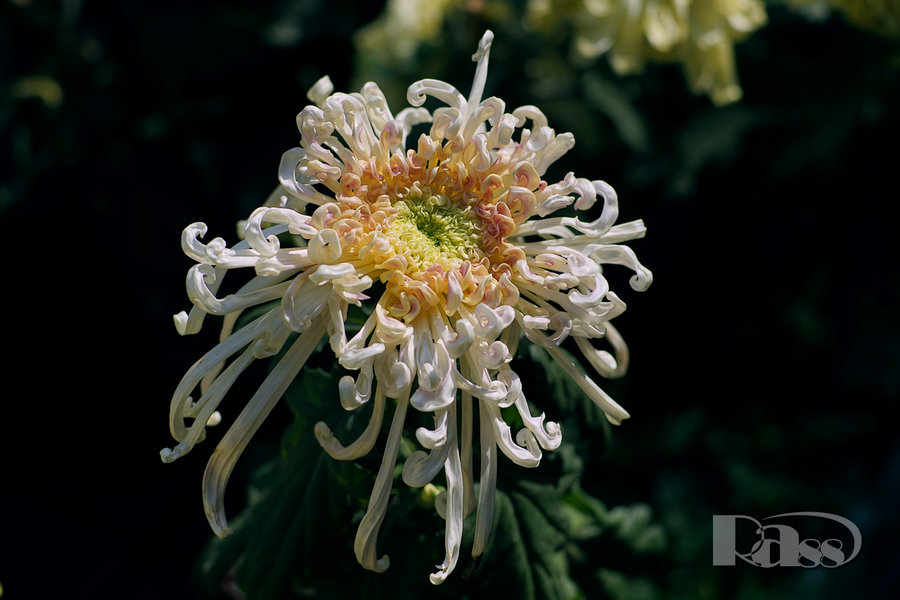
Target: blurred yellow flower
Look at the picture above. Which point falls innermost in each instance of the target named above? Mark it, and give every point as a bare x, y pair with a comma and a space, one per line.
403, 26
880, 16
699, 34
43, 87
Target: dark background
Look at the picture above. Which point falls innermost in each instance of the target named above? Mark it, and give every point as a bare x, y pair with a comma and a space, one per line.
764, 357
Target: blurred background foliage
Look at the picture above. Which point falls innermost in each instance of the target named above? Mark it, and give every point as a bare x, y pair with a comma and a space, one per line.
765, 356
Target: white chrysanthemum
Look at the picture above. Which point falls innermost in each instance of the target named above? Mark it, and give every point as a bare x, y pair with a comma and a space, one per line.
457, 232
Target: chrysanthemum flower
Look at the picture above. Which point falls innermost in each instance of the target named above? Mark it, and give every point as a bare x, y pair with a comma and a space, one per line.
699, 34
456, 232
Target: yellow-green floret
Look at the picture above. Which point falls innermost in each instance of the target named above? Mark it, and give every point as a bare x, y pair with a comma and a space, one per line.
435, 230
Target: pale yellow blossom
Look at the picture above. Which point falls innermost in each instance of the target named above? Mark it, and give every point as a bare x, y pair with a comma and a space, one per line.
879, 16
698, 34
403, 26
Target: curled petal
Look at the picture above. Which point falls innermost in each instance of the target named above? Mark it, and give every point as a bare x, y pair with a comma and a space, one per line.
522, 203
431, 438
501, 133
481, 57
200, 288
191, 244
431, 400
494, 391
303, 302
454, 293
204, 408
490, 109
354, 394
623, 255
547, 433
410, 117
270, 341
297, 185
587, 195
297, 223
325, 215
491, 322
580, 265
457, 342
353, 358
210, 362
493, 355
549, 154
623, 232
393, 374
222, 462
526, 455
364, 545
615, 414
453, 511
325, 273
604, 362
484, 515
320, 90
388, 329
325, 247
559, 322
376, 106
420, 468
432, 359
552, 204
436, 88
366, 441
465, 452
217, 252
597, 290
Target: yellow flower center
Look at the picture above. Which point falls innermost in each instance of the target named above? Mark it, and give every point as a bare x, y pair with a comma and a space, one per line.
435, 230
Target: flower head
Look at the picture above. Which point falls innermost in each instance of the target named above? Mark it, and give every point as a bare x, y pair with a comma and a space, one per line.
455, 236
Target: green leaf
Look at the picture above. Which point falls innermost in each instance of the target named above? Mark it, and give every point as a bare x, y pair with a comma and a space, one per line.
543, 523
620, 587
